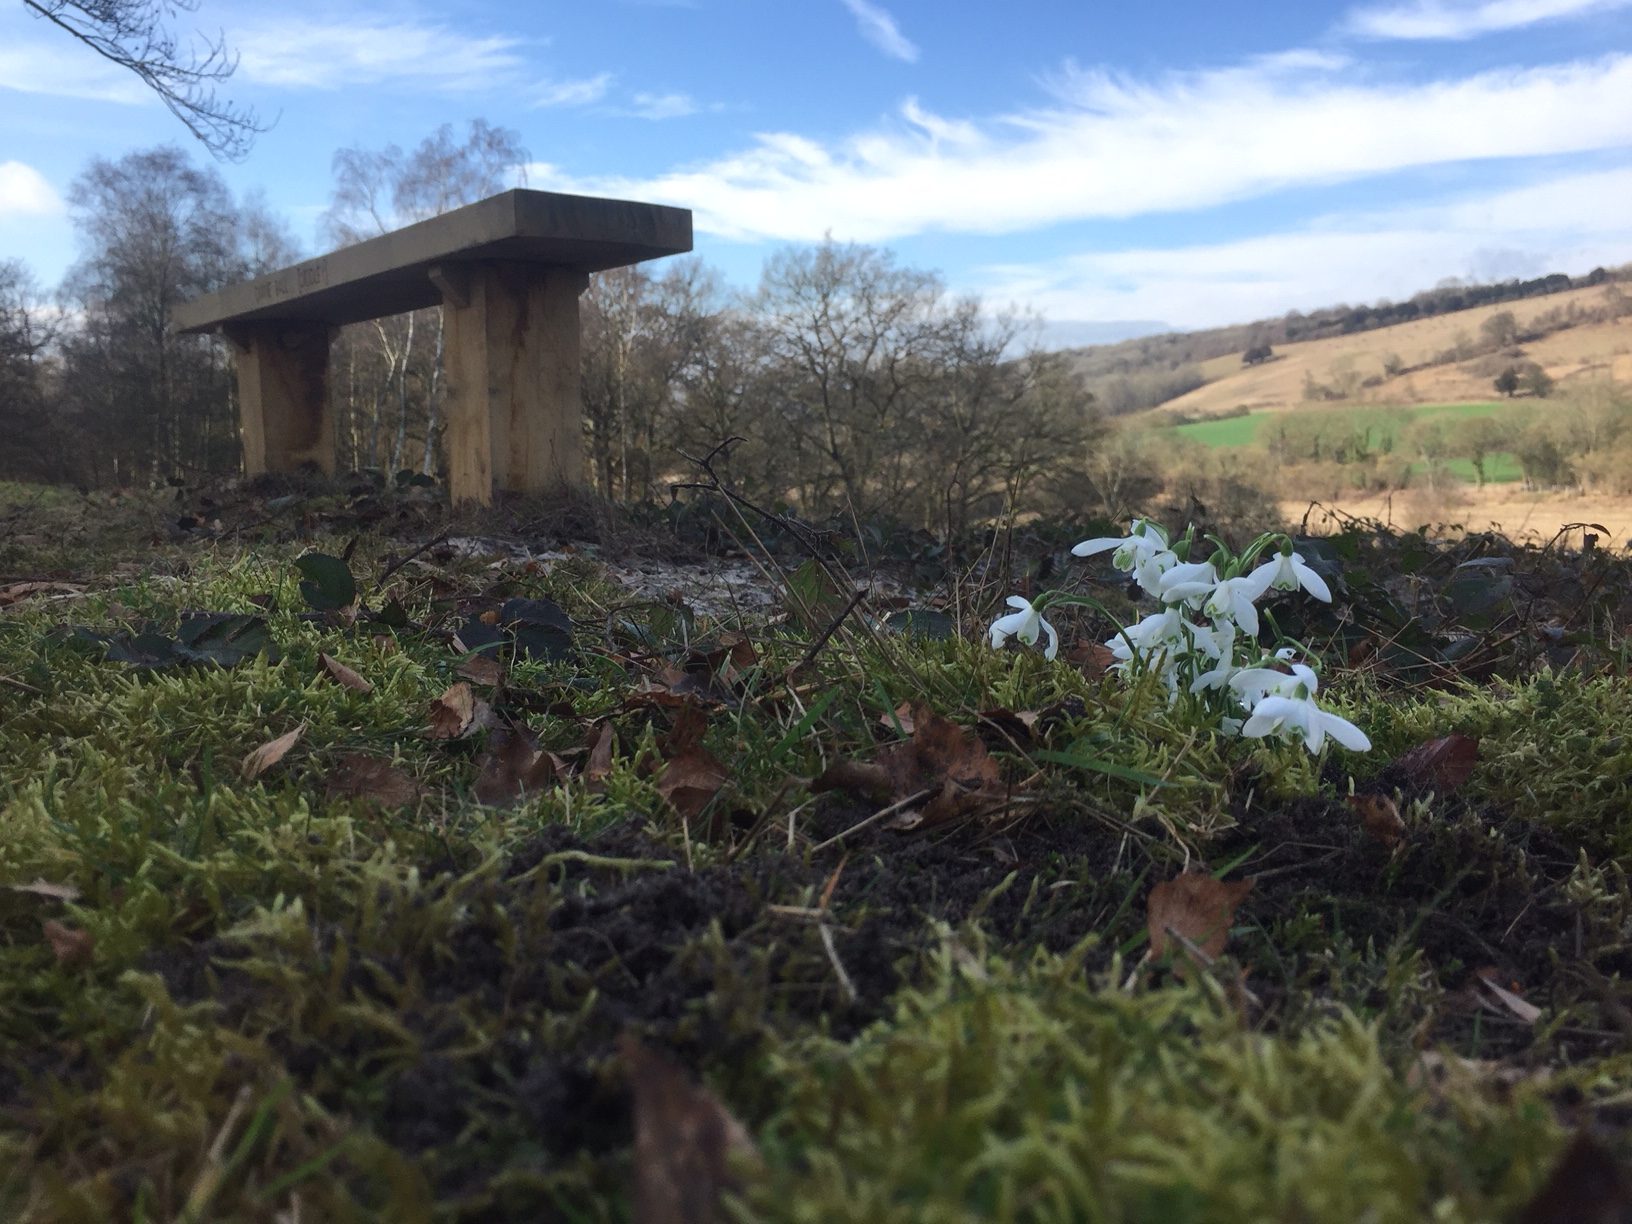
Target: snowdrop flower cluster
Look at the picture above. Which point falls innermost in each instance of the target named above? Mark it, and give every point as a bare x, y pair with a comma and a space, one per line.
1203, 644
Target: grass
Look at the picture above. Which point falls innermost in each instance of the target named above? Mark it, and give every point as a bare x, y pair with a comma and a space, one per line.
1246, 430
1249, 430
297, 1002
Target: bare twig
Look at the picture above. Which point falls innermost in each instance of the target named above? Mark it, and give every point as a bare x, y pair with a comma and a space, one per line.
881, 814
845, 984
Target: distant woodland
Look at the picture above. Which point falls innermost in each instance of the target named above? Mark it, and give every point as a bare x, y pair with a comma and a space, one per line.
854, 383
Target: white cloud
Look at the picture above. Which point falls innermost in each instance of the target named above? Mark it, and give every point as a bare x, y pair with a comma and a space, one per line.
661, 106
1115, 147
309, 53
879, 28
573, 92
65, 70
24, 192
1448, 19
1567, 225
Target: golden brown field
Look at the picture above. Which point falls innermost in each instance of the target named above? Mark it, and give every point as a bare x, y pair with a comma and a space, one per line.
1508, 509
1601, 350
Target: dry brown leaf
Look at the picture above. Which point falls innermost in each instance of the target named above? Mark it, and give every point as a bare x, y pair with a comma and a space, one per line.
55, 892
691, 780
943, 759
1092, 658
1016, 726
1588, 1186
344, 675
1196, 906
458, 712
270, 753
22, 590
685, 1142
70, 945
512, 767
1380, 817
857, 778
599, 765
902, 715
690, 725
482, 669
1442, 764
361, 775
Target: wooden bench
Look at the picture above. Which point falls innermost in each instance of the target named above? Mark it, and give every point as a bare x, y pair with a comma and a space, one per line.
507, 272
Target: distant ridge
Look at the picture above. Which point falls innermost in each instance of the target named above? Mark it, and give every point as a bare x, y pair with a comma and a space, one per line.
1143, 371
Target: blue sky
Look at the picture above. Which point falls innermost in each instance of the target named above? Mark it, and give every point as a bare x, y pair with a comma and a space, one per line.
1098, 163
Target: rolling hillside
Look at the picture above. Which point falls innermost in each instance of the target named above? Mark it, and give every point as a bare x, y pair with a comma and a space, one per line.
1585, 351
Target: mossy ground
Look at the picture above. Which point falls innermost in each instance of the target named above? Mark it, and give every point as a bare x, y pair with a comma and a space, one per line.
300, 1005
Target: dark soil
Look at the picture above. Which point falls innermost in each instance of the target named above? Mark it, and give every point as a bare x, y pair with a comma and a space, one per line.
517, 1019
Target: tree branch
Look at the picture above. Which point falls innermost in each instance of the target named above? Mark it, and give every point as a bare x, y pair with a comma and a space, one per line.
132, 34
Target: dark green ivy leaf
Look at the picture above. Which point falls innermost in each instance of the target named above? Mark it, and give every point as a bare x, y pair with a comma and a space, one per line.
326, 582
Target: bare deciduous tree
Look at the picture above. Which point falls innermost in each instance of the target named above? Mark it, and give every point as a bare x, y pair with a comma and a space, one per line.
154, 230
375, 191
134, 34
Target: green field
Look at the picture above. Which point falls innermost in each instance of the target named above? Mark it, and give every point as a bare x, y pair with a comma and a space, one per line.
1246, 430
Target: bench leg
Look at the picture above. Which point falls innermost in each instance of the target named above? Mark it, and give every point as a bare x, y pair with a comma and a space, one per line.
283, 395
511, 353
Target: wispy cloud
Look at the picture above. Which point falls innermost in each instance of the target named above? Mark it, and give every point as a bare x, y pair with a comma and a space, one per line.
300, 52
24, 192
1114, 147
1450, 19
660, 106
879, 28
65, 70
581, 92
1566, 225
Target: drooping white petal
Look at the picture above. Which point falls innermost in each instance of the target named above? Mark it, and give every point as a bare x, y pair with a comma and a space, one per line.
1289, 572
1053, 647
1025, 623
1345, 732
1092, 548
1309, 580
1191, 580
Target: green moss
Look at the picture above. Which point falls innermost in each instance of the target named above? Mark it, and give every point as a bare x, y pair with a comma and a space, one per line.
282, 983
1008, 1092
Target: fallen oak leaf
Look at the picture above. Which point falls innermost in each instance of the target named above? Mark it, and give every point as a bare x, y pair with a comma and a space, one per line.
70, 945
270, 753
686, 1142
1196, 906
344, 675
